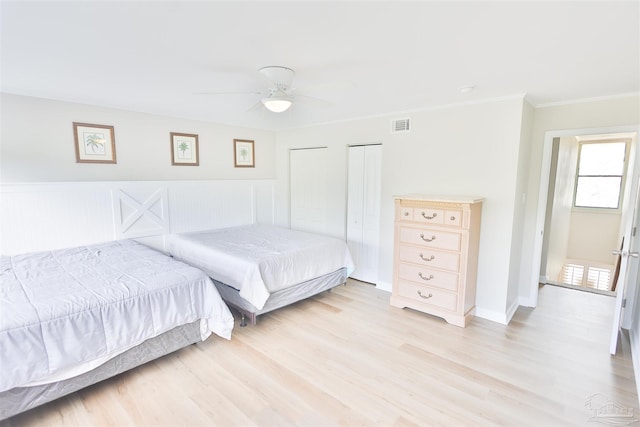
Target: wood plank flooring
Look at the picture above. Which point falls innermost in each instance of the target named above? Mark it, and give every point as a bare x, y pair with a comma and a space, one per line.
347, 358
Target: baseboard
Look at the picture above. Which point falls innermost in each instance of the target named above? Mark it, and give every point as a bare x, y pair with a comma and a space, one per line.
512, 310
526, 302
494, 316
383, 286
634, 340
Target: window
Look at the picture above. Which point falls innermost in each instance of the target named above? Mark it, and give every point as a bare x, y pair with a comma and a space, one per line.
572, 274
601, 168
599, 278
583, 273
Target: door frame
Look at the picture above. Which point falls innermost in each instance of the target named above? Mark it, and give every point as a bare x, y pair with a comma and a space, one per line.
376, 279
545, 170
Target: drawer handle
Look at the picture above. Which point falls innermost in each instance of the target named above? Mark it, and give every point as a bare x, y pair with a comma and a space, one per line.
453, 218
425, 278
429, 217
431, 258
422, 296
406, 214
427, 239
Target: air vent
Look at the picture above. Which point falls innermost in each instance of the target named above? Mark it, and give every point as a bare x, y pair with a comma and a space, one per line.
400, 125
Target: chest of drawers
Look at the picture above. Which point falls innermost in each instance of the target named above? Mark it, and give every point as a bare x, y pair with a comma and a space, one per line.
436, 255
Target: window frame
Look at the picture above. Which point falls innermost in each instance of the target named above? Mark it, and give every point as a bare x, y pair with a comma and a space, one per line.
597, 209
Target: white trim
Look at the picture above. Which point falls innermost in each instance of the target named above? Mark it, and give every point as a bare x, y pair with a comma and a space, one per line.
512, 310
384, 286
524, 302
585, 100
635, 358
522, 96
494, 316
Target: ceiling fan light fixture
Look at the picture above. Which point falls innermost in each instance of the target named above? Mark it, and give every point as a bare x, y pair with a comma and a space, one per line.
277, 104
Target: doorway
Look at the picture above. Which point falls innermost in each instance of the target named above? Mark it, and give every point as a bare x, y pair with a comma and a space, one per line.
583, 224
627, 283
364, 182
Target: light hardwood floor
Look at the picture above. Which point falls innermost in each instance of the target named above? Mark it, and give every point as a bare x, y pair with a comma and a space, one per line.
347, 358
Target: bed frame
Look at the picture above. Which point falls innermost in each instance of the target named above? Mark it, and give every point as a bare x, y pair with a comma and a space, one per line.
281, 298
20, 399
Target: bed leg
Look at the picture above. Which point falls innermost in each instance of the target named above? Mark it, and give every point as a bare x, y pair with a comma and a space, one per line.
243, 320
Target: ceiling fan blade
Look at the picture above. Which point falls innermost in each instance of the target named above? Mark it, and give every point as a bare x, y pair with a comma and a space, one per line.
255, 106
312, 100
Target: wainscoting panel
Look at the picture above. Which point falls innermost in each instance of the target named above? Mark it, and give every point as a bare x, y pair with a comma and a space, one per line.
44, 216
36, 217
210, 205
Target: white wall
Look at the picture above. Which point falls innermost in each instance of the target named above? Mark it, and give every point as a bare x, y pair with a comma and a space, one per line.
593, 235
37, 145
461, 150
562, 204
520, 198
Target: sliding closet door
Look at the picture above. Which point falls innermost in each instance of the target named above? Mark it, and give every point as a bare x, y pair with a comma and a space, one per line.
363, 210
309, 192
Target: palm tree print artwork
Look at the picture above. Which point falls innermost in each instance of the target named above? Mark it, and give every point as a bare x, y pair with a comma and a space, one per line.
243, 154
94, 143
183, 148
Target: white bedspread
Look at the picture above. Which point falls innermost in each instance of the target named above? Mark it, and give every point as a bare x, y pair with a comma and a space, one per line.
75, 308
260, 259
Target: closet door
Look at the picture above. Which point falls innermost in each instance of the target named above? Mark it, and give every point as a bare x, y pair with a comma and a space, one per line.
308, 189
363, 210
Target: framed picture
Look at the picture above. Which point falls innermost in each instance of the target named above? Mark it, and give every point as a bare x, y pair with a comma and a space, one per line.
184, 149
94, 143
243, 154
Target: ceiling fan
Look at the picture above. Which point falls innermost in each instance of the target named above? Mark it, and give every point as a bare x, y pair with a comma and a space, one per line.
279, 96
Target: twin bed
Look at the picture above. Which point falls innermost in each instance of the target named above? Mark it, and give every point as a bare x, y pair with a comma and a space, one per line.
70, 318
260, 268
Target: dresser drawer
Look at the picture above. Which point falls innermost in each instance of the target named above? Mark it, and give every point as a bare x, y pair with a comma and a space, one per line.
427, 295
428, 276
430, 238
428, 215
453, 218
405, 214
430, 258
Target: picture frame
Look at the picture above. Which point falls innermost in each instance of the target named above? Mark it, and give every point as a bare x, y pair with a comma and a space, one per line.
243, 153
184, 149
94, 143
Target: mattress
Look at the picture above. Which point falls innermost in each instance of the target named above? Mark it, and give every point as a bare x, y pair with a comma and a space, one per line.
64, 312
259, 260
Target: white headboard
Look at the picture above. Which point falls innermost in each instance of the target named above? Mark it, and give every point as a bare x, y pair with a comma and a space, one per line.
141, 212
45, 216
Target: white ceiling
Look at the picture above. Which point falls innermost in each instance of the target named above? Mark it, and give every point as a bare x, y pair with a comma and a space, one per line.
363, 58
